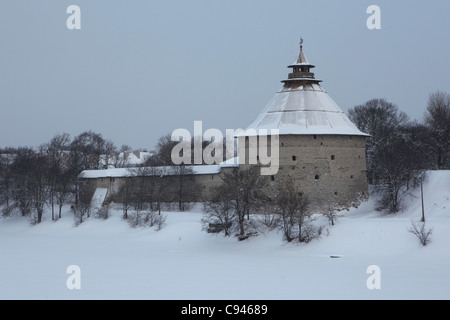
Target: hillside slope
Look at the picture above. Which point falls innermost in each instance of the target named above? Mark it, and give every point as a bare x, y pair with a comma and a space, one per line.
183, 262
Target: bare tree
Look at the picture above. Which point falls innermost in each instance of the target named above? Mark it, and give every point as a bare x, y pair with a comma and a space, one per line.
160, 183
40, 190
56, 152
379, 118
185, 188
62, 191
82, 209
396, 150
163, 156
292, 206
140, 187
421, 232
398, 169
219, 211
242, 191
437, 118
330, 212
151, 186
126, 195
6, 182
21, 186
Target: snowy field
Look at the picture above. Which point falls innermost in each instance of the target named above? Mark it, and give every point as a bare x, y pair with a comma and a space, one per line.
183, 262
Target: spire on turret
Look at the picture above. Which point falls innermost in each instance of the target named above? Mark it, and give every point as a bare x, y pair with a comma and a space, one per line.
301, 56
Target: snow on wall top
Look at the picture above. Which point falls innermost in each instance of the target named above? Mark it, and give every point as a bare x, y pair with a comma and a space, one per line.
155, 171
304, 110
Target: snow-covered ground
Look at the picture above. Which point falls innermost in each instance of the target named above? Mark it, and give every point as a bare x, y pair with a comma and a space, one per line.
183, 262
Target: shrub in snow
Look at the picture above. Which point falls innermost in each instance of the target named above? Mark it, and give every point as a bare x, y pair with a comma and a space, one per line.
421, 232
219, 215
81, 211
309, 232
147, 219
269, 221
103, 212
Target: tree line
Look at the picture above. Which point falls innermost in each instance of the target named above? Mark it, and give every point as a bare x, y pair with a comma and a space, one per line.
399, 151
32, 179
243, 206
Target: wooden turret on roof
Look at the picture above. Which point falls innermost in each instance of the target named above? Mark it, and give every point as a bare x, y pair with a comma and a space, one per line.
301, 73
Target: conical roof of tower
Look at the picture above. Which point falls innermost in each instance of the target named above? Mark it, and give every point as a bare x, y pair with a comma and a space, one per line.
303, 107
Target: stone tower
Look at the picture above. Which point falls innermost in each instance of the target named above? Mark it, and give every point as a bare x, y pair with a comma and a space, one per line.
319, 147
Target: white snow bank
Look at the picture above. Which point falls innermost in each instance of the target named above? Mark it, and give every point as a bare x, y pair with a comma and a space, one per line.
183, 262
98, 198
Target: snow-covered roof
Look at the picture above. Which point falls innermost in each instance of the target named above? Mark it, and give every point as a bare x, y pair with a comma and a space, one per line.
125, 159
303, 107
306, 109
156, 171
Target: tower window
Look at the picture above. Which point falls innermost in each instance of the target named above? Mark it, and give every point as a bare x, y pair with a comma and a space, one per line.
272, 178
315, 136
316, 177
335, 193
332, 157
351, 177
294, 158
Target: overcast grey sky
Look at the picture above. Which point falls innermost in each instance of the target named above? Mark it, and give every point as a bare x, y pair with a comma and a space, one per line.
140, 69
